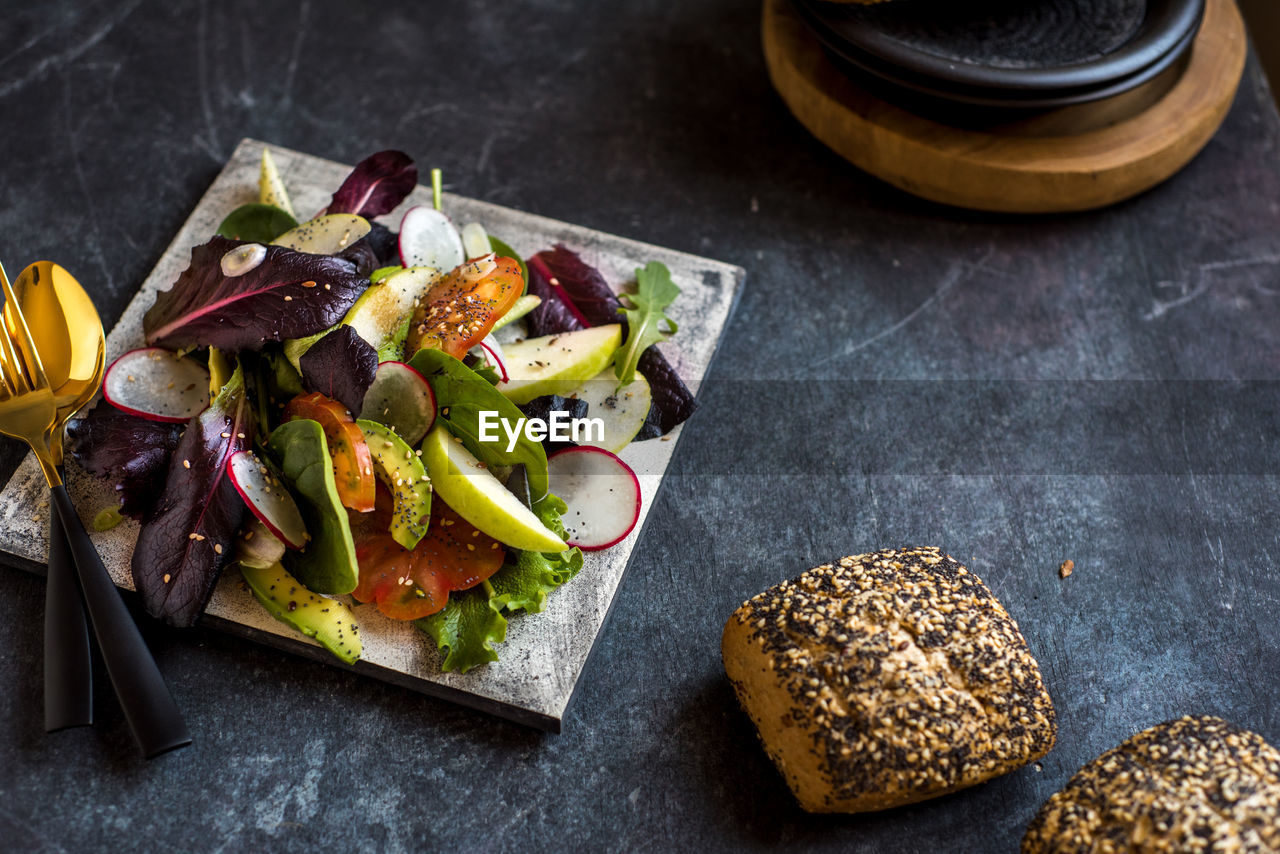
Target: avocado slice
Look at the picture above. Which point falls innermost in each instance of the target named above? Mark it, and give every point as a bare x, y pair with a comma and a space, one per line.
327, 620
397, 466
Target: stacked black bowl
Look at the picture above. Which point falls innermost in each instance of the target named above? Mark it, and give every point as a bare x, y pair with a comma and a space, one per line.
980, 62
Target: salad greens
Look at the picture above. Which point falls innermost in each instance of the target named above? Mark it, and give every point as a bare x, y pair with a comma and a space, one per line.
328, 564
256, 223
646, 318
474, 620
131, 453
198, 514
289, 294
461, 395
377, 184
340, 365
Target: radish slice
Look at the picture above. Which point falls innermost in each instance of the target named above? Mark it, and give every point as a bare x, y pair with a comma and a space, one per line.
267, 498
493, 353
158, 385
429, 239
602, 492
402, 399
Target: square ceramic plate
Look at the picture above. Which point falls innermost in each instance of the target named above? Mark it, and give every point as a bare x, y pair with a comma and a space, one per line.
544, 654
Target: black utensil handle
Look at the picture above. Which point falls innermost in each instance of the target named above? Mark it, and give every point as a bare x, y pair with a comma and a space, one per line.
68, 665
148, 706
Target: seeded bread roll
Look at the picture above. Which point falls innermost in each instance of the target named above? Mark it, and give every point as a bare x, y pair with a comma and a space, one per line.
885, 679
1197, 784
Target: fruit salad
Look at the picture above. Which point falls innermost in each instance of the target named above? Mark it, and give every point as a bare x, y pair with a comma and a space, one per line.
379, 410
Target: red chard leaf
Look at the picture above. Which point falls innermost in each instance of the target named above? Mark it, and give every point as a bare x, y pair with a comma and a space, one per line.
131, 453
288, 295
377, 184
341, 365
578, 297
188, 535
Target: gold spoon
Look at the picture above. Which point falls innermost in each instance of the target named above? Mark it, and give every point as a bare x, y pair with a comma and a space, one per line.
29, 411
48, 296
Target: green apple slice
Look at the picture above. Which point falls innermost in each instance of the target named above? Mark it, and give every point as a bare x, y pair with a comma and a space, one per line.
622, 410
463, 482
553, 364
378, 312
271, 189
325, 235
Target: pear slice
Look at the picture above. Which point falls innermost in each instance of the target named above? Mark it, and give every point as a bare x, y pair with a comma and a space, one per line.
271, 189
463, 482
554, 364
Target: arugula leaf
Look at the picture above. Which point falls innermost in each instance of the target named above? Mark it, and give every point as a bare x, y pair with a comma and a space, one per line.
188, 535
466, 630
470, 624
654, 292
461, 395
256, 223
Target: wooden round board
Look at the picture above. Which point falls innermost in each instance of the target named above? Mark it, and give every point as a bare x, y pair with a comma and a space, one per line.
1011, 169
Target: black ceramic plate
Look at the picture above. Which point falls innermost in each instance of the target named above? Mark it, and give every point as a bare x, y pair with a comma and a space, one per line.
1003, 51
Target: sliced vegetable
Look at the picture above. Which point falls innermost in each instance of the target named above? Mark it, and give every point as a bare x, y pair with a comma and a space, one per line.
519, 309
475, 240
428, 238
461, 309
268, 499
341, 365
352, 462
328, 563
188, 535
461, 395
602, 494
325, 235
128, 452
158, 385
329, 621
467, 486
376, 186
493, 354
555, 364
257, 546
289, 295
401, 398
402, 473
410, 584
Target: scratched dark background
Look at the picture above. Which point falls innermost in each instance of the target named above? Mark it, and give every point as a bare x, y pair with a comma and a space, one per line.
656, 121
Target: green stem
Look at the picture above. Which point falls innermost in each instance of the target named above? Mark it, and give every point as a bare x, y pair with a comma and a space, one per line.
436, 185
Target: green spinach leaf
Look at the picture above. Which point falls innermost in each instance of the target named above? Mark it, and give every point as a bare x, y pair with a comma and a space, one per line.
256, 223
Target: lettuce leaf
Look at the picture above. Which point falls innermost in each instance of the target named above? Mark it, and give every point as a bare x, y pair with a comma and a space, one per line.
341, 365
474, 620
289, 295
131, 453
188, 535
376, 186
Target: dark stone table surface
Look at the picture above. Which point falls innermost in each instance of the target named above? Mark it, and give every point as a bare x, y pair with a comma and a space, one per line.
1011, 389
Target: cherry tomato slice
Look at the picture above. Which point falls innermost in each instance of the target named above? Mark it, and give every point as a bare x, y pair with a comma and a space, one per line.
460, 310
352, 461
407, 585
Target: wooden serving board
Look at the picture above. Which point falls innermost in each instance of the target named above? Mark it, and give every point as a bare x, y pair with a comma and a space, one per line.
1035, 168
544, 654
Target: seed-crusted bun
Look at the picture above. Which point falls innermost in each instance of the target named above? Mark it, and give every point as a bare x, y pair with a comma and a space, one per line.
887, 678
1197, 784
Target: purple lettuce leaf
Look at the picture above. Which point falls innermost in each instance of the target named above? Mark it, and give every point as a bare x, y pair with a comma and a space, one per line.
580, 297
289, 295
187, 536
129, 452
341, 365
377, 184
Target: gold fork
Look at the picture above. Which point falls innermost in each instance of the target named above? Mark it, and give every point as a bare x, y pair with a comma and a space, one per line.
29, 412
